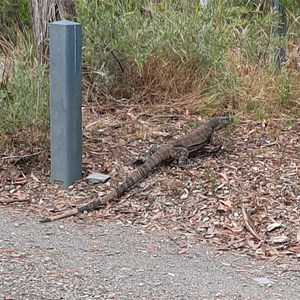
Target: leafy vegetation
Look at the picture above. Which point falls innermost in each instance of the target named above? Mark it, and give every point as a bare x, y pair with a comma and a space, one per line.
14, 16
213, 57
205, 59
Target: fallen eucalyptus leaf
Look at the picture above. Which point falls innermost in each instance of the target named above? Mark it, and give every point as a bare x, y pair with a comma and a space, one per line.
273, 226
279, 239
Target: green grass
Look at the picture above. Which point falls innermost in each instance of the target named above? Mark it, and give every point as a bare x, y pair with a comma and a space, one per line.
212, 52
14, 16
24, 94
202, 59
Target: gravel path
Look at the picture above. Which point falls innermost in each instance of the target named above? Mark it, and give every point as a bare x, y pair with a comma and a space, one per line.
67, 260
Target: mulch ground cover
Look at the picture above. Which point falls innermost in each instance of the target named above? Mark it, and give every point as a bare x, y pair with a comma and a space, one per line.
244, 199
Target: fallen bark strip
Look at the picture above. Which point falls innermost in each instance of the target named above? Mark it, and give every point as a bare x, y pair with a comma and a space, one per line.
190, 145
66, 214
249, 226
9, 201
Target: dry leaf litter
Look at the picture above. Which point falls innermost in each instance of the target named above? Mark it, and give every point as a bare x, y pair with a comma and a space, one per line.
244, 199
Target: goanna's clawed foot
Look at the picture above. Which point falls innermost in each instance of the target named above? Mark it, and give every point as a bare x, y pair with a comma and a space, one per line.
182, 165
138, 161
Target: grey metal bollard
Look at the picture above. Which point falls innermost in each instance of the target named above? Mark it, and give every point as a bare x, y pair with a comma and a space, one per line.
280, 31
65, 102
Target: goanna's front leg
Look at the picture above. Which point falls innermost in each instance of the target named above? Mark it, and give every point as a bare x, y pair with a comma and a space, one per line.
214, 145
181, 155
142, 159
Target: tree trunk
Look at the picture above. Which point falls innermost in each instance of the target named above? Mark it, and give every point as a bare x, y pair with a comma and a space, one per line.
45, 11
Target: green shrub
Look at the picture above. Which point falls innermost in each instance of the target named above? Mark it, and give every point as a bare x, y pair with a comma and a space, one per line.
126, 42
203, 58
14, 16
24, 98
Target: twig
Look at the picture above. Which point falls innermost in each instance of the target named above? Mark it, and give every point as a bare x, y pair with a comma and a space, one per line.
269, 145
67, 214
21, 156
249, 226
118, 61
164, 117
8, 201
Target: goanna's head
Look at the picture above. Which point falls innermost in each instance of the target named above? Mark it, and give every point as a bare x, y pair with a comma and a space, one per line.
219, 122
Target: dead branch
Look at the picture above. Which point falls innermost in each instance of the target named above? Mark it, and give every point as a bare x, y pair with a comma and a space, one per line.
248, 224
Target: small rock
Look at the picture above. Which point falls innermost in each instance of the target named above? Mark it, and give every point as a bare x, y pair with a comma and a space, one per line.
47, 258
98, 178
263, 280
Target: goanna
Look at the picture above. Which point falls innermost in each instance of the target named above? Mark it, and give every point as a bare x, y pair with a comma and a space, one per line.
180, 149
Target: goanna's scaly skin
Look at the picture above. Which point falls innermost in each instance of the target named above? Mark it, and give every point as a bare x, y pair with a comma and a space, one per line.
188, 145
